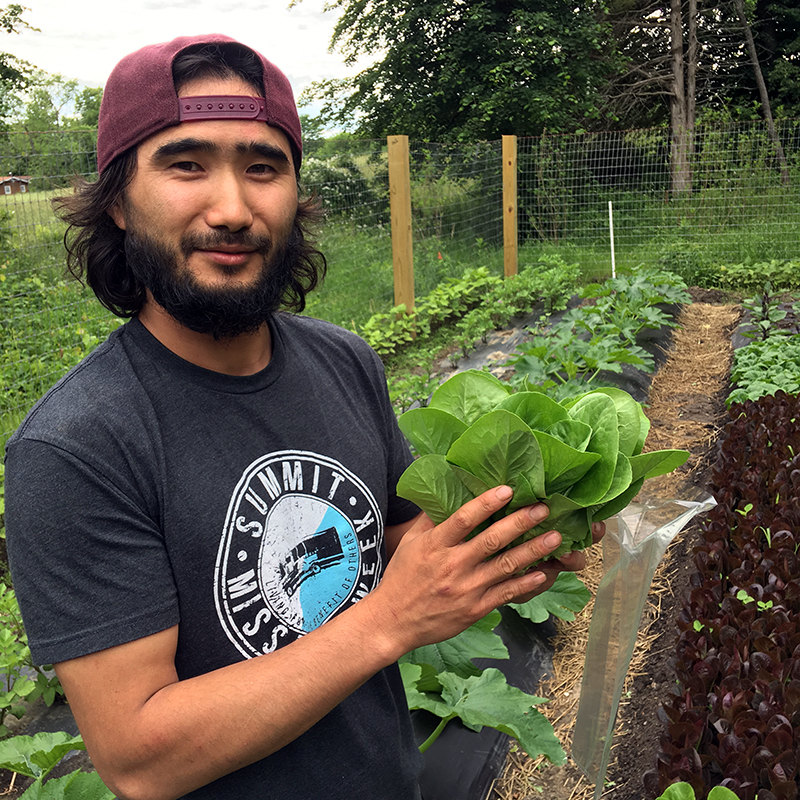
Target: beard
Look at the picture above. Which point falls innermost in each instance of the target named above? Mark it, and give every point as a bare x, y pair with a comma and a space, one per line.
222, 312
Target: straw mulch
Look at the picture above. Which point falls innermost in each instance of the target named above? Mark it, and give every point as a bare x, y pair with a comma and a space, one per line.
685, 407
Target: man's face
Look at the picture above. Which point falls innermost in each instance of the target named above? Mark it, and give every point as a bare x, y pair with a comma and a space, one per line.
209, 218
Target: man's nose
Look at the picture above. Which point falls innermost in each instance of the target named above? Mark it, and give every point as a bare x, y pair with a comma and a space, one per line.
228, 205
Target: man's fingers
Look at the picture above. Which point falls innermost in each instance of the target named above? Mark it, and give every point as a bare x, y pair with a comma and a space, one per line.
598, 531
454, 529
519, 558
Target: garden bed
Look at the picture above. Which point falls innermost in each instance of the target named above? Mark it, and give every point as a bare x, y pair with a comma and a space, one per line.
686, 405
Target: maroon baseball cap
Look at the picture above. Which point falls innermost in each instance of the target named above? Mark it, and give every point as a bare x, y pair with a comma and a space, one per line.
139, 100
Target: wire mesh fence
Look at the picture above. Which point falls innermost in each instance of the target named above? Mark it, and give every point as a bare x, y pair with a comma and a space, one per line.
743, 202
743, 205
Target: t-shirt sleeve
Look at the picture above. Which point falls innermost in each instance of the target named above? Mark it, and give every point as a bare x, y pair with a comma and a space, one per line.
88, 561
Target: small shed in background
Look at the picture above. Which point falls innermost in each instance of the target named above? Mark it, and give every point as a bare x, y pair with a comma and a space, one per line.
14, 184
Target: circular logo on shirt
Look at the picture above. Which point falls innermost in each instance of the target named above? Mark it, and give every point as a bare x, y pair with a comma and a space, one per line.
302, 541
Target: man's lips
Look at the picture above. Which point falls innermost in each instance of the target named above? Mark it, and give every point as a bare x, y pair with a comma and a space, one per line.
229, 256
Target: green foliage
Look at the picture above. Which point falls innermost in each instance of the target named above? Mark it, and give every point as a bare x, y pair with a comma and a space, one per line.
2, 501
450, 72
443, 679
387, 332
782, 275
771, 362
690, 260
15, 73
482, 301
75, 786
343, 187
564, 600
582, 457
36, 756
599, 336
87, 105
765, 313
684, 791
23, 681
764, 367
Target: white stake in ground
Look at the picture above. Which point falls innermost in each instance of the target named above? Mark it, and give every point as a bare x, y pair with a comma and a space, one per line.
611, 228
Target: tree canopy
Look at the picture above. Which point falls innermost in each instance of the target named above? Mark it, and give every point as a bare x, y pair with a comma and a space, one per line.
15, 73
466, 70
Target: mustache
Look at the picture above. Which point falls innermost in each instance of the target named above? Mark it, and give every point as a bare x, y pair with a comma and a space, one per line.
194, 241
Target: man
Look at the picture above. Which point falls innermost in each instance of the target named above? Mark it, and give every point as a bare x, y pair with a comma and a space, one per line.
201, 517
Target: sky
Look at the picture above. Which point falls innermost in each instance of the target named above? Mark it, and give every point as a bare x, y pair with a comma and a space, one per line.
84, 39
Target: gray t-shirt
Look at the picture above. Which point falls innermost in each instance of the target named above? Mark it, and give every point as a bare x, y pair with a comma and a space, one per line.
143, 491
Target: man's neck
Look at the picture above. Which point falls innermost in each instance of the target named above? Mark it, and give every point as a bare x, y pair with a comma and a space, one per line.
244, 355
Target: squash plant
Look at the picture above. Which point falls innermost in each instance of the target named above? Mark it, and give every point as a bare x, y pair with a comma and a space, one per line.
36, 756
443, 680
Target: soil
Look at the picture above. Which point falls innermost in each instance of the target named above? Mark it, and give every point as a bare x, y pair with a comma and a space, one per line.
686, 409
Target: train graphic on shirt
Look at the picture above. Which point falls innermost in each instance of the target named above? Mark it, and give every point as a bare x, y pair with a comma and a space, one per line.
303, 540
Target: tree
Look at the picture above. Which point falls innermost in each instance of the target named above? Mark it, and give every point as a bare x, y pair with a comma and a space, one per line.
48, 100
466, 70
15, 74
87, 106
762, 89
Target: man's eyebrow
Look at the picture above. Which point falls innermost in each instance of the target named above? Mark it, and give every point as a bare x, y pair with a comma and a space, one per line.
180, 147
264, 150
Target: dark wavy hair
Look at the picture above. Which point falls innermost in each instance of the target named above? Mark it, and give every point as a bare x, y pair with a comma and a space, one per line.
96, 246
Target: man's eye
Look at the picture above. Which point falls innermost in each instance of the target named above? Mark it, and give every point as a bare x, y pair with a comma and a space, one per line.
261, 169
186, 166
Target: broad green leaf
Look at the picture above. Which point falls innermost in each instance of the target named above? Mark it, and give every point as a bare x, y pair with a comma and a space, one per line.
628, 418
535, 409
498, 448
617, 504
722, 793
570, 431
563, 465
475, 486
488, 700
34, 756
428, 680
600, 414
77, 785
658, 462
623, 477
431, 484
430, 430
455, 654
524, 494
470, 394
644, 429
567, 596
680, 791
412, 675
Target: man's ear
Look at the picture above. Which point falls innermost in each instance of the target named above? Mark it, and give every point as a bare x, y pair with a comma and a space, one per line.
117, 213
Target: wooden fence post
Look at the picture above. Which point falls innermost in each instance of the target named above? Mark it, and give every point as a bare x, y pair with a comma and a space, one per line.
400, 202
510, 255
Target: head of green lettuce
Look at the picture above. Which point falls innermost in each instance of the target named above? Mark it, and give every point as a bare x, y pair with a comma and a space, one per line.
582, 457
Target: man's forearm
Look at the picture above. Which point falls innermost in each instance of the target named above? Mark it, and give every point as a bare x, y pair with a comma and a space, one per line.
188, 733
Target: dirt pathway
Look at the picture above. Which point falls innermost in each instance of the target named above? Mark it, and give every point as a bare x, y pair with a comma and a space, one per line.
685, 407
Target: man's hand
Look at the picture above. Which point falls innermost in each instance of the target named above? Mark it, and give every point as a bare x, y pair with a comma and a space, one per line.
438, 583
574, 561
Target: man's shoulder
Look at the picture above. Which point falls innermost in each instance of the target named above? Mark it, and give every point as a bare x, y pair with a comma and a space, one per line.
314, 332
99, 386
